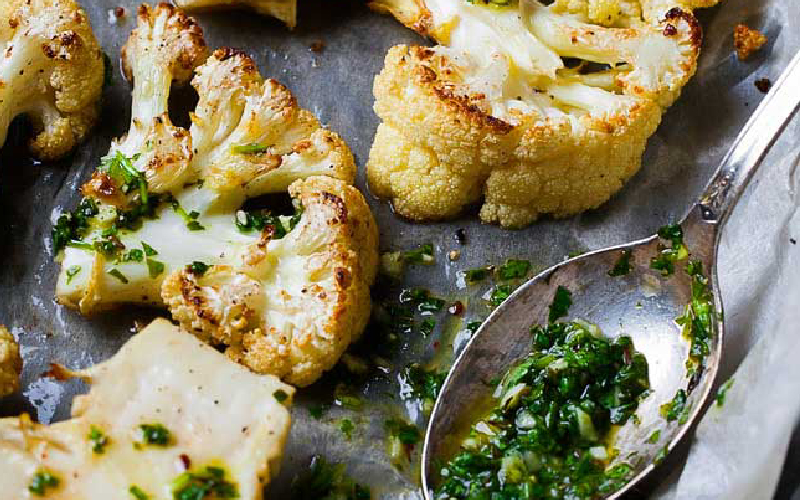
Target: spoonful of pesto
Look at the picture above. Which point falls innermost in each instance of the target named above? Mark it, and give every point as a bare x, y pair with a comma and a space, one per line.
585, 379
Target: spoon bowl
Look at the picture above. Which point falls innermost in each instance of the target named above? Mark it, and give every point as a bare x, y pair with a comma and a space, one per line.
643, 304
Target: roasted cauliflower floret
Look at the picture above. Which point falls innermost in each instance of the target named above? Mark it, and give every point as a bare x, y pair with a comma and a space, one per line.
51, 70
536, 109
292, 305
248, 138
159, 412
10, 363
283, 10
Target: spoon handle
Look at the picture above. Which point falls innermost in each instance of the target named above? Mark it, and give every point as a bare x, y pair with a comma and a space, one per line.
751, 146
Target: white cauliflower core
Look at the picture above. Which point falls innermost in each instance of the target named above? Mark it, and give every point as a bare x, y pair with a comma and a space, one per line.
10, 363
51, 70
282, 295
283, 10
216, 412
537, 109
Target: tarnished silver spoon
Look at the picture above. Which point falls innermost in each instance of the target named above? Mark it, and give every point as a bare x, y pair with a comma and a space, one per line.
642, 304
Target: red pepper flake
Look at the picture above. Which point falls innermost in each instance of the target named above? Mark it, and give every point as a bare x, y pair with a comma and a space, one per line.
670, 30
763, 85
186, 463
457, 309
119, 12
436, 344
317, 46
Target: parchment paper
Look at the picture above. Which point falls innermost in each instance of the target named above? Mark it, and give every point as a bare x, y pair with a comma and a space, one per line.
739, 449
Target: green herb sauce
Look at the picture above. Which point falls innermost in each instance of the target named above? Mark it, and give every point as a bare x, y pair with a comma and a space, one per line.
548, 431
327, 481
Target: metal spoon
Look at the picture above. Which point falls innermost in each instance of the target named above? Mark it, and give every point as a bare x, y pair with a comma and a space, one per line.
642, 304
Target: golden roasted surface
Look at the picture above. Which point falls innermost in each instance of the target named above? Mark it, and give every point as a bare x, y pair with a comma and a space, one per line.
249, 137
283, 10
52, 72
746, 41
497, 116
215, 412
296, 303
10, 363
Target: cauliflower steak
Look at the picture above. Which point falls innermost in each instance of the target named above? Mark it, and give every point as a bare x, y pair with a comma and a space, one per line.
536, 109
51, 70
166, 412
165, 222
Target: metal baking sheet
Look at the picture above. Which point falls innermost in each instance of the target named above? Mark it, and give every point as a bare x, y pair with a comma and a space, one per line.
336, 85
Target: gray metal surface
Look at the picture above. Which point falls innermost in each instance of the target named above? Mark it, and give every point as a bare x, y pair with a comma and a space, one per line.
337, 86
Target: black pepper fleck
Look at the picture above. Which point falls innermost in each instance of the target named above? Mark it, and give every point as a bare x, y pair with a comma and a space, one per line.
763, 85
461, 236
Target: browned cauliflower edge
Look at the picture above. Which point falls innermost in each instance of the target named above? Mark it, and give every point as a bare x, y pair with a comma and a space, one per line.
457, 128
10, 363
299, 301
52, 71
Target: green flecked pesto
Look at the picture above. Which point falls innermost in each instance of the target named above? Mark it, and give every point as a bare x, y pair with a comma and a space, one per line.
548, 430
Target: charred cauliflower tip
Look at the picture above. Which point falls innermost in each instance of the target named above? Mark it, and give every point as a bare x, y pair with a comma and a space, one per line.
51, 70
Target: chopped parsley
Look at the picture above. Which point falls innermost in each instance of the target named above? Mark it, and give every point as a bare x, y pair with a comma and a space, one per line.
473, 326
98, 440
72, 271
155, 435
723, 391
148, 250
623, 265
475, 275
421, 384
561, 304
698, 320
280, 396
42, 481
499, 294
135, 255
120, 168
668, 256
426, 327
247, 222
253, 148
206, 483
346, 426
117, 274
189, 218
72, 227
514, 269
198, 268
422, 255
316, 411
547, 434
155, 268
138, 493
407, 434
327, 481
654, 437
676, 408
423, 299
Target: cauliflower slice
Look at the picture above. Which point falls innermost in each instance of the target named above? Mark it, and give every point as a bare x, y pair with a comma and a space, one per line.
10, 363
283, 10
52, 71
215, 412
290, 306
536, 109
248, 138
